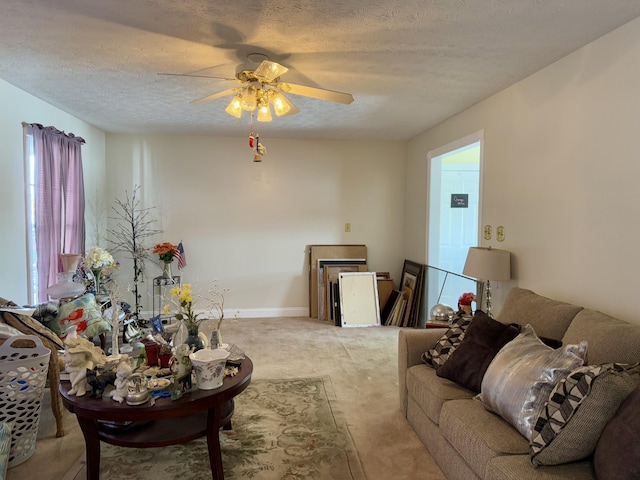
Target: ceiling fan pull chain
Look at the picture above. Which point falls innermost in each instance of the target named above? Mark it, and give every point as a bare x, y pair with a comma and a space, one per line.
251, 131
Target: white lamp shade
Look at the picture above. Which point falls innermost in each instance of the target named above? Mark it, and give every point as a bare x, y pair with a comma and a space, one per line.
488, 264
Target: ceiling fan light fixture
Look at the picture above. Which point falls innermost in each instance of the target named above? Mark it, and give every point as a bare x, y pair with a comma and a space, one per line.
281, 104
235, 107
249, 101
264, 113
270, 71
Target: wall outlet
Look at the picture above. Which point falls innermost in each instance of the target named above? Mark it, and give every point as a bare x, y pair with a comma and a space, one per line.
347, 227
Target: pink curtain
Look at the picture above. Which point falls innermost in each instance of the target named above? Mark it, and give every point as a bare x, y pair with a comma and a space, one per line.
59, 201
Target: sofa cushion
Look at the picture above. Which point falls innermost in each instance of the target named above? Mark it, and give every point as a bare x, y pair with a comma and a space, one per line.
482, 341
617, 453
448, 342
549, 318
479, 435
521, 376
518, 467
610, 340
82, 312
430, 392
578, 410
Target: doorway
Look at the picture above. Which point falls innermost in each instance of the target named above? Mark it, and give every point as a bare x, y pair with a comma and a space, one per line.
453, 217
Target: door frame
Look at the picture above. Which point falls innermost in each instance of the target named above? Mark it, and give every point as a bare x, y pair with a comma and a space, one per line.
449, 147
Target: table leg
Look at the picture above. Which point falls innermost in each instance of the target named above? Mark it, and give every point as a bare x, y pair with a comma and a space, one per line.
92, 444
213, 443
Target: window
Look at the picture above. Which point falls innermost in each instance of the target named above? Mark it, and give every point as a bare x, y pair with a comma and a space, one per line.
54, 190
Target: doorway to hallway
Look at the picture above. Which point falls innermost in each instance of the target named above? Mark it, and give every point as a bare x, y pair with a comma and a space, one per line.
454, 215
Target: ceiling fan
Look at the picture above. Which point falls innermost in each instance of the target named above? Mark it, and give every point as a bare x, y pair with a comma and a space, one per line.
260, 89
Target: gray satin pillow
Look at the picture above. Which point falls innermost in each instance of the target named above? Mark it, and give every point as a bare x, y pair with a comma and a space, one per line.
520, 377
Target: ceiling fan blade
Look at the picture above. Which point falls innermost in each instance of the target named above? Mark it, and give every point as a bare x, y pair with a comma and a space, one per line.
319, 93
197, 76
224, 93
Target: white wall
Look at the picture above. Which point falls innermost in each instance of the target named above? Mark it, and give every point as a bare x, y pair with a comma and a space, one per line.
248, 224
17, 107
562, 164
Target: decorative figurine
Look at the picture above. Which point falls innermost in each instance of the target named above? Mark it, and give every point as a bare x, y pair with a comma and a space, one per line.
99, 380
80, 355
180, 366
123, 371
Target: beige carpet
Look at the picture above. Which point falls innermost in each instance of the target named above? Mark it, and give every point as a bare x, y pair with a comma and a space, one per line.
361, 364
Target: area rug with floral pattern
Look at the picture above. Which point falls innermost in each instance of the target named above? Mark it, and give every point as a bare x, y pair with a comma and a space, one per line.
282, 429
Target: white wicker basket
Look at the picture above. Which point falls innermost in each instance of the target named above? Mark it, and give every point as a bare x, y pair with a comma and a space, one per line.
23, 375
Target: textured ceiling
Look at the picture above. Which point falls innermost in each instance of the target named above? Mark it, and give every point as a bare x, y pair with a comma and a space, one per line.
409, 64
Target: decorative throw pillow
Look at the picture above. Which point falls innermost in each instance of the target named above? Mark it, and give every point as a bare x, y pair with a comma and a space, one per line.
482, 341
449, 341
578, 410
82, 312
520, 377
617, 455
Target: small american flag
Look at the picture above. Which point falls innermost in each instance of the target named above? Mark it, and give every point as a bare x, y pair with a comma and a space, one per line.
182, 258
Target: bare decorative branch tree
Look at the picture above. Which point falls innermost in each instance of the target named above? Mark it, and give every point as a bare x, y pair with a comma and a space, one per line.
133, 227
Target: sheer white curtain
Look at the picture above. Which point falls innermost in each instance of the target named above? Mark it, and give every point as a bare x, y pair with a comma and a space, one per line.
57, 199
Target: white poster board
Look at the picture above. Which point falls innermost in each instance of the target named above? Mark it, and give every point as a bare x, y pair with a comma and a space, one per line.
358, 299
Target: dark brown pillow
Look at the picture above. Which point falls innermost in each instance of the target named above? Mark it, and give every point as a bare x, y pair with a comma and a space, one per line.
617, 454
483, 339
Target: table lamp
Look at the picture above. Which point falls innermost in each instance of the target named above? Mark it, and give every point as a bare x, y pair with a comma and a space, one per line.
488, 264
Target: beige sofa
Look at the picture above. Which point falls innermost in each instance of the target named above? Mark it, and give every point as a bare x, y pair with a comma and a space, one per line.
466, 440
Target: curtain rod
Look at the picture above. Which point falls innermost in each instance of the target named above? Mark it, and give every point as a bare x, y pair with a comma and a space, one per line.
70, 136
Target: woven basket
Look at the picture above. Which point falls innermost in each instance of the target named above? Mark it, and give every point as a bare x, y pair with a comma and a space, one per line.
23, 375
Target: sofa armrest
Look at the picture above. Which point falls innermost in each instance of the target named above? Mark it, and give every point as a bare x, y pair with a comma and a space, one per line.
411, 345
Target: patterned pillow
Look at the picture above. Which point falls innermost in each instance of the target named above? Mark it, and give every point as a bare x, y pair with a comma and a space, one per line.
577, 411
82, 312
449, 341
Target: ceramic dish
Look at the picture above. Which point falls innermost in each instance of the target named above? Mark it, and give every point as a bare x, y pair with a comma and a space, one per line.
158, 383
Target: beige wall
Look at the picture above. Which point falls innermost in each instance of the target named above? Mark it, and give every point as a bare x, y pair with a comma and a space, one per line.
562, 165
18, 107
248, 224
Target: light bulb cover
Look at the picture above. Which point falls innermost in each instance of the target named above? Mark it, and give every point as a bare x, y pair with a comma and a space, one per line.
269, 71
249, 101
235, 106
264, 114
281, 104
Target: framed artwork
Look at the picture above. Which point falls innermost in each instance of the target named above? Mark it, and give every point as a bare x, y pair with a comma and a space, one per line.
411, 281
359, 305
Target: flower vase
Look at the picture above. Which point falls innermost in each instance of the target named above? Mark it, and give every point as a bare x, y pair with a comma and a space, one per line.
193, 339
97, 273
166, 271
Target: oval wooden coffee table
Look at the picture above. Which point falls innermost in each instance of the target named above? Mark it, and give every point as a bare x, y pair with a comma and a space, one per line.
196, 414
